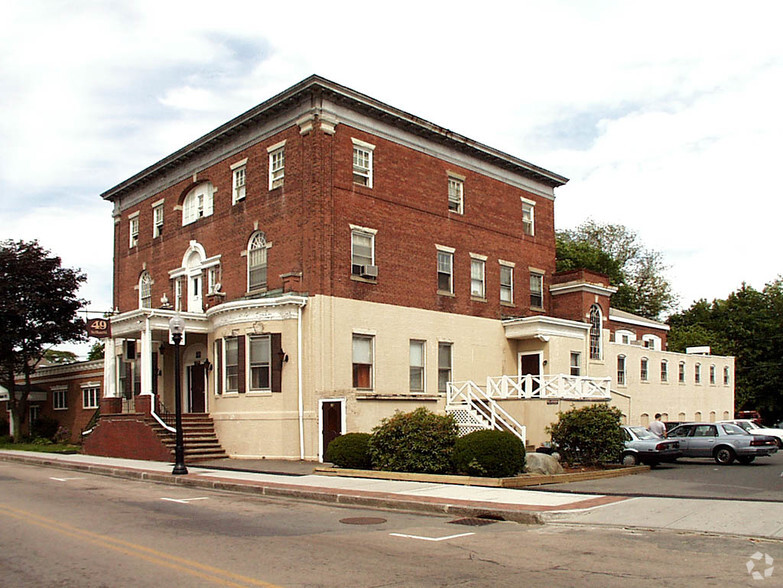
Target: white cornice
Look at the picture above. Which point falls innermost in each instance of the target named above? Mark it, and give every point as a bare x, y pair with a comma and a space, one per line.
570, 287
544, 327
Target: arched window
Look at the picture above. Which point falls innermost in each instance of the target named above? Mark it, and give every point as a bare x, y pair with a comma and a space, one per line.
145, 290
643, 373
198, 203
664, 370
726, 373
256, 262
595, 332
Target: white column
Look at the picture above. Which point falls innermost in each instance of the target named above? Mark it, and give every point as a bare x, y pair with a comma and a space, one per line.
109, 368
146, 359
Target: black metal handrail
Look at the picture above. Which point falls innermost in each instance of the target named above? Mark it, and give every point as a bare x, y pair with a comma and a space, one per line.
166, 415
87, 429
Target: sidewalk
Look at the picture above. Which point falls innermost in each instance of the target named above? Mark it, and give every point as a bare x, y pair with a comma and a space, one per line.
752, 519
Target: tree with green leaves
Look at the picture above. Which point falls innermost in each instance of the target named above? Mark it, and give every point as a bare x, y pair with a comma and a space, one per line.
748, 325
96, 351
637, 272
38, 310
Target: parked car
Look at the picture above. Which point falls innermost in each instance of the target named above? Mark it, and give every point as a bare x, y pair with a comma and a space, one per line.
723, 442
671, 424
753, 428
752, 415
643, 446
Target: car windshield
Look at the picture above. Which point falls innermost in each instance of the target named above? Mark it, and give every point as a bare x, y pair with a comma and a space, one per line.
744, 425
734, 430
642, 433
750, 425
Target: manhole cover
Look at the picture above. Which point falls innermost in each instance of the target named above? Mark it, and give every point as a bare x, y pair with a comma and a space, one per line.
363, 521
473, 521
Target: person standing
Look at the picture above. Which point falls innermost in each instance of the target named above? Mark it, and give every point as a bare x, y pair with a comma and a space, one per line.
657, 426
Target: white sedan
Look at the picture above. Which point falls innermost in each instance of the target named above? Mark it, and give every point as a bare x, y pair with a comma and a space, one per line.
754, 429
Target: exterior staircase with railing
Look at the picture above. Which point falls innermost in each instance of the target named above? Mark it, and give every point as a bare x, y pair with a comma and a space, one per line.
198, 435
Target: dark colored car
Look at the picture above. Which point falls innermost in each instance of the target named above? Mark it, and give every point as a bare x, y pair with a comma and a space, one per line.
643, 446
723, 442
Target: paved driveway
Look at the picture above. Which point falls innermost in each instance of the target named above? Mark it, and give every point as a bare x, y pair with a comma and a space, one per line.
694, 478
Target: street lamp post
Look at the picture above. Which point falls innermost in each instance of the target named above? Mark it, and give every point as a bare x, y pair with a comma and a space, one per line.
177, 328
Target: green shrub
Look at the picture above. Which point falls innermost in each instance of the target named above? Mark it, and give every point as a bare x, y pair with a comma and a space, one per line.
350, 451
417, 441
496, 454
4, 428
45, 428
589, 435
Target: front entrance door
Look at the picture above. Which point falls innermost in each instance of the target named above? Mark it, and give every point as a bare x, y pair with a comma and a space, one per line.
331, 422
196, 388
530, 363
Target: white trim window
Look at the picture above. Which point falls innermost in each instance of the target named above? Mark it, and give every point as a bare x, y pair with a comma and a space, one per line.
231, 345
456, 195
712, 375
198, 203
145, 290
596, 335
681, 375
178, 294
362, 358
621, 370
90, 396
477, 278
652, 342
726, 375
506, 284
60, 398
643, 369
417, 358
445, 355
276, 165
528, 217
576, 363
362, 163
260, 363
536, 290
362, 252
445, 272
257, 262
213, 279
133, 228
239, 183
697, 374
157, 220
664, 370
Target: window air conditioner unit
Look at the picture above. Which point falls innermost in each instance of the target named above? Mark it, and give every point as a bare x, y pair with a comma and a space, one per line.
369, 271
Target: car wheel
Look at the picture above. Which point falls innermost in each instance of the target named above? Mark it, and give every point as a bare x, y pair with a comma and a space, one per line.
746, 459
724, 455
630, 459
779, 441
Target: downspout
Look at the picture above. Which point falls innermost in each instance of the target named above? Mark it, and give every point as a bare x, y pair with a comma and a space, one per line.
299, 380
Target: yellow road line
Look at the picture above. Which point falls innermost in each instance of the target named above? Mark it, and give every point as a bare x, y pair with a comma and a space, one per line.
180, 564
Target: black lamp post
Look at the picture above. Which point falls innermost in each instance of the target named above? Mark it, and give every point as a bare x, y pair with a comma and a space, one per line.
177, 328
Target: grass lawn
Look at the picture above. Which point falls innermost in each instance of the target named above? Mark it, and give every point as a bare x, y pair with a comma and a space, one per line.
53, 448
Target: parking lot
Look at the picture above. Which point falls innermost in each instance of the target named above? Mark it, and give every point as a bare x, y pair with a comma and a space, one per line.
694, 478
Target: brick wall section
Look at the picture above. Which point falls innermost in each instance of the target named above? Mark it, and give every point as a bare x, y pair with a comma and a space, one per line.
126, 436
307, 221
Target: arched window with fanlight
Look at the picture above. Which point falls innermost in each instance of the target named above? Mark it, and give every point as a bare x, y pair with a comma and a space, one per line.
257, 262
595, 332
198, 203
145, 290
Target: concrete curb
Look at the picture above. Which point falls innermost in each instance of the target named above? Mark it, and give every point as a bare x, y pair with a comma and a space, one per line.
520, 481
420, 504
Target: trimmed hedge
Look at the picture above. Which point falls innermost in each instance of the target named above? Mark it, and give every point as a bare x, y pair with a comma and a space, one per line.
495, 454
590, 435
417, 441
350, 451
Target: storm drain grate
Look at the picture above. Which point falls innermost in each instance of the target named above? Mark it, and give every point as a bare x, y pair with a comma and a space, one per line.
363, 521
473, 521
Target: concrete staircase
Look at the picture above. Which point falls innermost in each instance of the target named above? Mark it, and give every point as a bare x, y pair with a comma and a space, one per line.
198, 436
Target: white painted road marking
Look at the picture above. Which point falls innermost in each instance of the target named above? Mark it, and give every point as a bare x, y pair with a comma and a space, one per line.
65, 479
184, 500
430, 538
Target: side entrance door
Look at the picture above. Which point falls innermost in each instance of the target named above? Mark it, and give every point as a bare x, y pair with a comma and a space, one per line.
196, 393
331, 422
530, 363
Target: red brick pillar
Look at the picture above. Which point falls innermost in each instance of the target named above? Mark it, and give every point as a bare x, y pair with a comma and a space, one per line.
144, 403
111, 405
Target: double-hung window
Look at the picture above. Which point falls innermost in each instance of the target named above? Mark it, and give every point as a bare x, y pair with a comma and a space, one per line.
232, 364
362, 163
417, 356
643, 373
621, 370
260, 363
363, 252
90, 396
60, 398
697, 374
145, 290
257, 262
712, 375
506, 283
576, 363
239, 172
363, 361
682, 373
134, 230
726, 375
445, 270
456, 195
444, 365
198, 203
477, 276
536, 290
528, 217
276, 165
664, 370
157, 219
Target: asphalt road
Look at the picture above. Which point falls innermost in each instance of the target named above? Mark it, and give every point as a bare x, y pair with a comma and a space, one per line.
694, 478
65, 528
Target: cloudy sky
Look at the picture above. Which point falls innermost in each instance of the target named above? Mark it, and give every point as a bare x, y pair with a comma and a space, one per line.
665, 116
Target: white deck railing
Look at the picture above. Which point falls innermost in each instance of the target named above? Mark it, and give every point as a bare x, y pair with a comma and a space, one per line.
468, 396
549, 386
